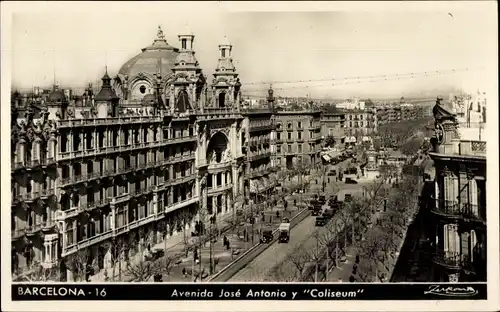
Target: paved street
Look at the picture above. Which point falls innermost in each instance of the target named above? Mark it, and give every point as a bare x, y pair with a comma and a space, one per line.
259, 268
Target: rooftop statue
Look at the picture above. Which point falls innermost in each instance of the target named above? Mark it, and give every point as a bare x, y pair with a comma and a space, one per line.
160, 34
442, 111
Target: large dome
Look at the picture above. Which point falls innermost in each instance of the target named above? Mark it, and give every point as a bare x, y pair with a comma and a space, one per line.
158, 55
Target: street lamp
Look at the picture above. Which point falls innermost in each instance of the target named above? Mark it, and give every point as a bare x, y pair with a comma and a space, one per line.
212, 222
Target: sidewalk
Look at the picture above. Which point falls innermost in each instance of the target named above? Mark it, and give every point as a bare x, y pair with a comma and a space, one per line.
342, 273
174, 245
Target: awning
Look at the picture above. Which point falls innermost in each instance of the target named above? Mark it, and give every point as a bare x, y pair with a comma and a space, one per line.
333, 154
253, 186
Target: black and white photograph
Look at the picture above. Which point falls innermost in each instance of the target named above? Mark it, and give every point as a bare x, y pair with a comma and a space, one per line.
250, 151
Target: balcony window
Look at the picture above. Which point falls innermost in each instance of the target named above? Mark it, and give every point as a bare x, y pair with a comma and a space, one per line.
219, 179
70, 238
64, 143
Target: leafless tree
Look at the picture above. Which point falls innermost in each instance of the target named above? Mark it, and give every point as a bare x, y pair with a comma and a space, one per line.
117, 247
82, 263
142, 270
345, 218
42, 274
170, 262
316, 255
330, 241
299, 259
282, 274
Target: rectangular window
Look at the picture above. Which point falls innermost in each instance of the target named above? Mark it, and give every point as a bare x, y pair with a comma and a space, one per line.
300, 125
184, 44
289, 135
299, 135
300, 148
289, 148
278, 149
278, 135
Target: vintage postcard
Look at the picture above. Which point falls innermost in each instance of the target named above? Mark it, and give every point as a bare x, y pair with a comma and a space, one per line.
253, 156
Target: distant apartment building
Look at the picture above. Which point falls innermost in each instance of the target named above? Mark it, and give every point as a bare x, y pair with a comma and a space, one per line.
333, 124
359, 122
403, 112
354, 103
458, 204
298, 137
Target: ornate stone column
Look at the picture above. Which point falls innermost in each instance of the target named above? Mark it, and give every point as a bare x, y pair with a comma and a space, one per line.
204, 196
234, 172
37, 148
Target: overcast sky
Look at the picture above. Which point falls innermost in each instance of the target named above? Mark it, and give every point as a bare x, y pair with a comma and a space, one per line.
76, 44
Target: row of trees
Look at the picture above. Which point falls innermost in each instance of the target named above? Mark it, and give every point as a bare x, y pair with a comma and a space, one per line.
380, 251
397, 134
329, 243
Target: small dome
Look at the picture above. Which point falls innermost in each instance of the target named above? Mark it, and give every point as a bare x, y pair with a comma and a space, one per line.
159, 54
57, 95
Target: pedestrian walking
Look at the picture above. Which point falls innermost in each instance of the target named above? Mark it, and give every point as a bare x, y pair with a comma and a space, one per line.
277, 214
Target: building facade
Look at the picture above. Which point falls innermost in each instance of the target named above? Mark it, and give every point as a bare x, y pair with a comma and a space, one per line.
298, 137
258, 149
154, 152
459, 203
333, 124
360, 122
392, 114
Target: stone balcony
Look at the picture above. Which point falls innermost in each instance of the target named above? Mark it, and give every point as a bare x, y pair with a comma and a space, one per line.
219, 113
90, 122
463, 148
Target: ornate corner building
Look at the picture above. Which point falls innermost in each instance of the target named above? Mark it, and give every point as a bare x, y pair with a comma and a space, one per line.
153, 153
458, 205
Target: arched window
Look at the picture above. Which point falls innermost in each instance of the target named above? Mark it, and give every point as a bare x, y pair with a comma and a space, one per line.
222, 99
182, 101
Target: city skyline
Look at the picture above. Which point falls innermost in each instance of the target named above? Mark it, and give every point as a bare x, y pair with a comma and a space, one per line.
361, 44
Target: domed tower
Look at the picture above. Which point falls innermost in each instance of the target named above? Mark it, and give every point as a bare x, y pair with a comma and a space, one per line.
57, 104
188, 82
106, 101
148, 72
226, 84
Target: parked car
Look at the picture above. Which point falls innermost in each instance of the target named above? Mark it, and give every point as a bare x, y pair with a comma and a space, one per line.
350, 181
